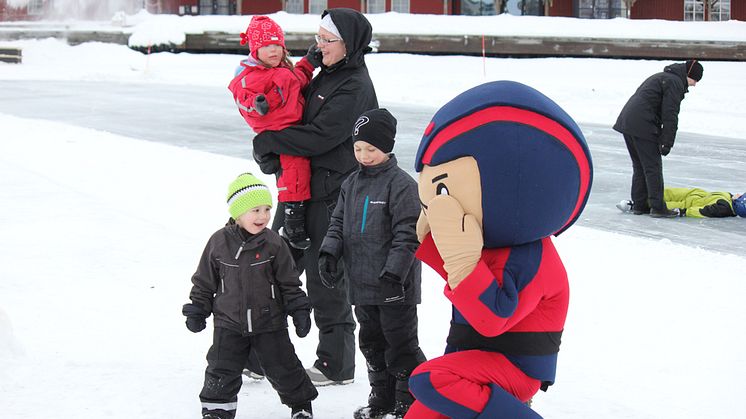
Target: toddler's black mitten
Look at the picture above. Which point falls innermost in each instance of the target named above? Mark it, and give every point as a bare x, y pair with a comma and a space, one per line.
302, 322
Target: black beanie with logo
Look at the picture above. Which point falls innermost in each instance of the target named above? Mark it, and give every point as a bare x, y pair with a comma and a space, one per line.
376, 127
694, 69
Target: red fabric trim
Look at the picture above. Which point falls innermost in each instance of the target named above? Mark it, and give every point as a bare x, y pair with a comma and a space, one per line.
521, 116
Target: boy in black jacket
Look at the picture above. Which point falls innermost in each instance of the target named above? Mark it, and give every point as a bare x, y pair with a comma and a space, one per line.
247, 279
373, 230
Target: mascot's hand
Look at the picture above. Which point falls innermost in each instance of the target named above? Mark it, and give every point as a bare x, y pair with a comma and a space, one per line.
423, 227
457, 236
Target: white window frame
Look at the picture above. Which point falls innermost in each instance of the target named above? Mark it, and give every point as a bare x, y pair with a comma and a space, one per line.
35, 7
294, 6
400, 6
375, 6
316, 7
694, 10
720, 10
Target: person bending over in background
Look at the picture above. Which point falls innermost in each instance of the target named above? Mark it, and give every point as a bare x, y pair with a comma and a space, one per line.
649, 122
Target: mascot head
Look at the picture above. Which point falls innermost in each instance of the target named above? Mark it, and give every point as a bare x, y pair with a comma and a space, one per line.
511, 157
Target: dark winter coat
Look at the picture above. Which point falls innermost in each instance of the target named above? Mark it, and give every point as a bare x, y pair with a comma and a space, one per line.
373, 230
652, 113
334, 100
248, 282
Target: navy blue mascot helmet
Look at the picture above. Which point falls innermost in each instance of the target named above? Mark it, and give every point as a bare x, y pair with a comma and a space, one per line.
534, 163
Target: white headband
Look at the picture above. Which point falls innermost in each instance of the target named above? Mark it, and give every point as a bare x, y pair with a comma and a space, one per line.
328, 24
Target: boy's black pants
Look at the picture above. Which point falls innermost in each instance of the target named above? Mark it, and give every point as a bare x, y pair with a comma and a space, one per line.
388, 337
227, 358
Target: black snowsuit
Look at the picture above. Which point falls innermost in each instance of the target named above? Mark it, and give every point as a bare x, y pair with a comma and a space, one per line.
250, 285
649, 122
373, 230
334, 100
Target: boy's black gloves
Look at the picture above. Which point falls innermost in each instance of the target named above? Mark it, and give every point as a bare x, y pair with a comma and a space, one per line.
314, 55
195, 321
302, 322
261, 106
391, 288
665, 149
328, 269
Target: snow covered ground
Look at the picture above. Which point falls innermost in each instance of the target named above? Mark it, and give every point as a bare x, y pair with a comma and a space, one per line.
101, 233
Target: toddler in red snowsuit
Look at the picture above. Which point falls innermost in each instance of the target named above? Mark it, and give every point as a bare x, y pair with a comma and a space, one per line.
268, 92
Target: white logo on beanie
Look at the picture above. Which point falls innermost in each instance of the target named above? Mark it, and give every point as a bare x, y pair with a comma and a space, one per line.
360, 122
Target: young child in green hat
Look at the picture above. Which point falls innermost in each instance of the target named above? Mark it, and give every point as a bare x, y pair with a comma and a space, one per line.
246, 279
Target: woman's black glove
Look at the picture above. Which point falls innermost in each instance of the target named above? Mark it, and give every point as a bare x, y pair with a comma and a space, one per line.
269, 164
328, 269
314, 55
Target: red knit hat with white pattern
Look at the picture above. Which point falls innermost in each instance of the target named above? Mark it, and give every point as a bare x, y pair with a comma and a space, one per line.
262, 31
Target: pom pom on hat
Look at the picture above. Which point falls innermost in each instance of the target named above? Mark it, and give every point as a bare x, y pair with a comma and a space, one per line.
694, 69
376, 127
245, 193
262, 31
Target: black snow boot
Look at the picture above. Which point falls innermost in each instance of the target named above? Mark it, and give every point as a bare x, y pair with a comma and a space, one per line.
381, 397
294, 228
403, 398
302, 411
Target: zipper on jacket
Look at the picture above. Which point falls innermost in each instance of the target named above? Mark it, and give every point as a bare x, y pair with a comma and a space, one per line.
240, 249
248, 320
365, 214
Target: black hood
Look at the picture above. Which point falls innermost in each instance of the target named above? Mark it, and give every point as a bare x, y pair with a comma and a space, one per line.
679, 69
356, 33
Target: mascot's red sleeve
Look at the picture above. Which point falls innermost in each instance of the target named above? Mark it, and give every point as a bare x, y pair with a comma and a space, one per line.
532, 178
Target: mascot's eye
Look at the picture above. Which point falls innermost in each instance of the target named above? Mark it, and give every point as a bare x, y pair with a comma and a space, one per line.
441, 189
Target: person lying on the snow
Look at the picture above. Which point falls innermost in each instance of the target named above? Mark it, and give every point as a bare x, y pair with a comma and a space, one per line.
698, 203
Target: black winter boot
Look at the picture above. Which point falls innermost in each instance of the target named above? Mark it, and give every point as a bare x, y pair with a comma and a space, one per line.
302, 411
294, 228
381, 397
403, 398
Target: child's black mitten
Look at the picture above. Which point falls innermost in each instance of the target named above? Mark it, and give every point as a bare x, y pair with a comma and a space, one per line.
261, 106
302, 322
195, 321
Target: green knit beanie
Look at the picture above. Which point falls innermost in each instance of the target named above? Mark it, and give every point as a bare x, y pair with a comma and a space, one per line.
245, 193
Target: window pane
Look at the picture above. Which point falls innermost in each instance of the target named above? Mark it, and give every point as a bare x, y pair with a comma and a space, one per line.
376, 6
401, 6
294, 6
316, 7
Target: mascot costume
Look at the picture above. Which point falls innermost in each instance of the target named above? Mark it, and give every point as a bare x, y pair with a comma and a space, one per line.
502, 167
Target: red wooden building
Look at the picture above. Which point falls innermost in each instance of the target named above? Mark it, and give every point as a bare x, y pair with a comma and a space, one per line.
593, 9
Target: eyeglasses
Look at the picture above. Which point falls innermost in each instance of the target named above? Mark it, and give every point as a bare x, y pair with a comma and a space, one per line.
323, 41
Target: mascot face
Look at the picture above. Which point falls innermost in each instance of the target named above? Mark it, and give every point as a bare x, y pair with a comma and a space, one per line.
458, 179
511, 157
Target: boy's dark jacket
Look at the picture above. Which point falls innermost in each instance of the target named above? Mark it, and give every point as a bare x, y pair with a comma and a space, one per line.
373, 230
252, 290
334, 100
652, 113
